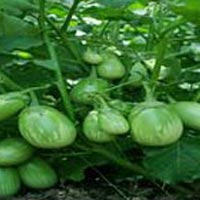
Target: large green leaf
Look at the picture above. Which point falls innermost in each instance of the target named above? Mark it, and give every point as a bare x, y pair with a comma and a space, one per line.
19, 42
190, 9
16, 33
175, 163
11, 25
16, 7
28, 75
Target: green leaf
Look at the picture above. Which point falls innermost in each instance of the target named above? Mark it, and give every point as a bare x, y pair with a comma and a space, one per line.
109, 13
48, 64
16, 33
116, 3
19, 42
173, 69
72, 67
74, 167
4, 59
28, 75
11, 25
190, 9
16, 7
175, 163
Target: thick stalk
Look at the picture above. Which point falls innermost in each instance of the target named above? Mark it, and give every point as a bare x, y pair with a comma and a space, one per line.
60, 81
63, 32
93, 73
66, 42
34, 99
69, 16
149, 96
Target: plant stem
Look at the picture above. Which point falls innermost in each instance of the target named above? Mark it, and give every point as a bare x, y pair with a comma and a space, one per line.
118, 86
60, 81
100, 100
93, 73
69, 16
31, 89
172, 26
104, 28
116, 159
121, 161
34, 99
66, 43
149, 93
160, 57
63, 32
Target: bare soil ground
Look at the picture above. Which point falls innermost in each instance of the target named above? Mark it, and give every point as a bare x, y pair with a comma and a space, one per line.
96, 188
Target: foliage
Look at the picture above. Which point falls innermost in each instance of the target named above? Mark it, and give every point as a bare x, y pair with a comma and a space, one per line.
42, 46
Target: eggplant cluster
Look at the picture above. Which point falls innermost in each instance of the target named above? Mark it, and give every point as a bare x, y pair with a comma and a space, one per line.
150, 123
108, 65
40, 127
103, 124
19, 165
159, 124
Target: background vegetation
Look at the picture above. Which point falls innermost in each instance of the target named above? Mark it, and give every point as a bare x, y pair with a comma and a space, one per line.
41, 51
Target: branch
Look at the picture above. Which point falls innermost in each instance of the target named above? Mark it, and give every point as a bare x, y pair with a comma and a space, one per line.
123, 162
65, 41
160, 57
69, 16
60, 81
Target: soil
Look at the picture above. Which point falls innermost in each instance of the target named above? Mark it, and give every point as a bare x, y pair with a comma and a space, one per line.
72, 192
99, 190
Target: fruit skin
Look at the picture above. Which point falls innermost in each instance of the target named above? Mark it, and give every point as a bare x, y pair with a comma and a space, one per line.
155, 124
92, 57
14, 151
9, 182
112, 121
92, 129
189, 112
111, 67
37, 174
83, 91
46, 127
11, 103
